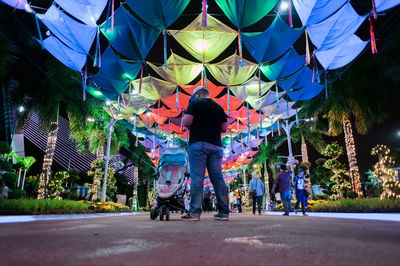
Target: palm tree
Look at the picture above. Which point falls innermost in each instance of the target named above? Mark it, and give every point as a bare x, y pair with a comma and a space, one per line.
359, 96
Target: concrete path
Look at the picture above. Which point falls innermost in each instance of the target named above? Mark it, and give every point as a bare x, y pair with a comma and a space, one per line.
244, 240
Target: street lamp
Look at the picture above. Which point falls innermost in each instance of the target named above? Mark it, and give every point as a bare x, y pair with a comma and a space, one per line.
284, 5
21, 109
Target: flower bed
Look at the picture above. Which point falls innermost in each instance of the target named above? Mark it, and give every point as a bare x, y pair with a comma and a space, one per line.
350, 205
46, 206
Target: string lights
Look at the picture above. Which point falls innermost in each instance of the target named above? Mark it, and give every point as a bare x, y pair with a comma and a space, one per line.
390, 181
351, 154
48, 160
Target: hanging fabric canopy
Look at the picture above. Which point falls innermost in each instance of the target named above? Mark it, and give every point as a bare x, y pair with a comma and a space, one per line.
87, 11
251, 88
382, 5
18, 4
284, 66
298, 86
205, 43
134, 104
152, 118
268, 99
230, 72
273, 42
153, 88
244, 13
64, 54
336, 29
315, 11
171, 101
79, 37
342, 54
234, 102
213, 89
158, 13
165, 112
130, 37
180, 71
115, 73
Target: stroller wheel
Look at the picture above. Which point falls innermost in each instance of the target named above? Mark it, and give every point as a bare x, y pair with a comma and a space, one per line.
153, 214
167, 213
162, 213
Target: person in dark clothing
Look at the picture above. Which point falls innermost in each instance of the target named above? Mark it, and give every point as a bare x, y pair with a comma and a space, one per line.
299, 188
283, 181
206, 121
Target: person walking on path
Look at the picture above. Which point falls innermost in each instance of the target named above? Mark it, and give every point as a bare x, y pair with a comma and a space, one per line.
299, 188
283, 181
256, 191
206, 120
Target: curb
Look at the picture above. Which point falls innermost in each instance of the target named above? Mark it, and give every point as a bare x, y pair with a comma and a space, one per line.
34, 218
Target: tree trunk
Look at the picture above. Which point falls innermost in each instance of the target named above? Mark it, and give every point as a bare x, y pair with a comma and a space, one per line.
304, 159
19, 177
100, 152
351, 155
23, 180
266, 185
136, 183
48, 160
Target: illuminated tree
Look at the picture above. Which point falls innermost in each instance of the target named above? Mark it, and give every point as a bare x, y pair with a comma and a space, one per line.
391, 184
340, 174
56, 183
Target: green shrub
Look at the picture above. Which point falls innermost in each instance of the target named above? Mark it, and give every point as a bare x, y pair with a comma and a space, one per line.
16, 194
352, 195
357, 205
43, 206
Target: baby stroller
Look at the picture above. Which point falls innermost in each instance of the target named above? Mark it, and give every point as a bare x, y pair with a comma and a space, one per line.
171, 178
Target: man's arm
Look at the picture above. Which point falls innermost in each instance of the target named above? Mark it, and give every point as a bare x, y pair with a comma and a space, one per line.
276, 181
187, 120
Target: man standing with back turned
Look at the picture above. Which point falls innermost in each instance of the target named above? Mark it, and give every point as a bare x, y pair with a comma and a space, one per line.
206, 121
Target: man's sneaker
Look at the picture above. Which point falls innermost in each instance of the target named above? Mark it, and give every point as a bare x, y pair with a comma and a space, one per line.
285, 214
221, 217
189, 217
295, 211
305, 214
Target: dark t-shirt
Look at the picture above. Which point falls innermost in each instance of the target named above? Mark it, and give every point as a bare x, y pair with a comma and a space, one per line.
208, 117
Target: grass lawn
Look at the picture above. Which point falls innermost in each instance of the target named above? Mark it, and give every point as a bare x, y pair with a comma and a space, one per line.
47, 206
350, 205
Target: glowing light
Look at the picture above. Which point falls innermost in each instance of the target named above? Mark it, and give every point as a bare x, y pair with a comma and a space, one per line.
98, 93
127, 76
90, 119
201, 45
108, 102
21, 109
284, 6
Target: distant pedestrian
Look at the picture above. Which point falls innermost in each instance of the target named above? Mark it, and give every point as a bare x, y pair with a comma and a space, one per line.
301, 195
239, 202
256, 191
283, 181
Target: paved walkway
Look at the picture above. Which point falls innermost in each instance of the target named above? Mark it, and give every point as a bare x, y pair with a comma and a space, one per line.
244, 240
394, 217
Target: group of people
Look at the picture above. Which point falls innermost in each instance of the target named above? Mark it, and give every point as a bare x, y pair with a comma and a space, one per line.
283, 184
206, 121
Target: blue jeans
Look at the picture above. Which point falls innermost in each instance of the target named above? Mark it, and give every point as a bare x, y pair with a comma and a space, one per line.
286, 201
301, 198
258, 200
201, 155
